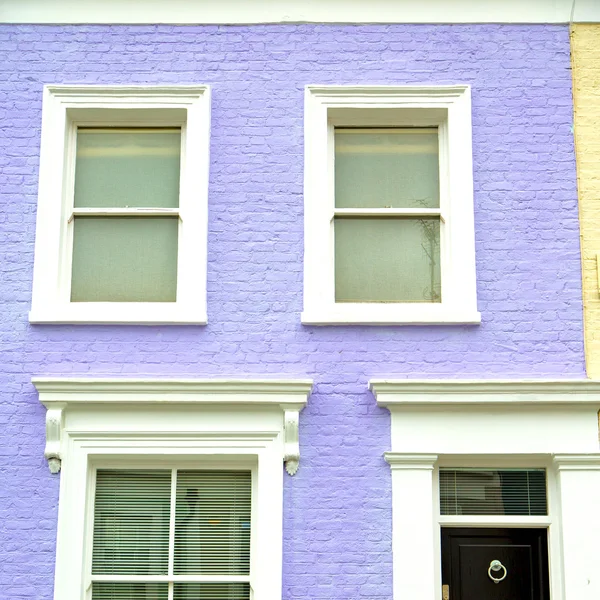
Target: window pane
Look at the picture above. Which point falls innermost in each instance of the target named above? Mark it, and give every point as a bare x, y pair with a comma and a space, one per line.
493, 492
386, 168
129, 591
127, 167
387, 260
124, 259
131, 523
212, 523
212, 591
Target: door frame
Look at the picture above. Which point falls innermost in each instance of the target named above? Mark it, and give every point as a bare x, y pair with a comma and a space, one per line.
551, 522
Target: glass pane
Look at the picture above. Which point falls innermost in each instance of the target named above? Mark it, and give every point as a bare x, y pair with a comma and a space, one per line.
387, 168
124, 259
212, 522
129, 591
387, 260
212, 591
131, 522
493, 492
127, 167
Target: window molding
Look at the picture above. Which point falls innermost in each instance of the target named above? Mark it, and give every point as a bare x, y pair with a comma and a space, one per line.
65, 106
449, 108
110, 423
551, 424
59, 394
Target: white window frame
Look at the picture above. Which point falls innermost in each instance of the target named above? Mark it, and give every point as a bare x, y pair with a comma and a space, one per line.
150, 423
64, 109
445, 107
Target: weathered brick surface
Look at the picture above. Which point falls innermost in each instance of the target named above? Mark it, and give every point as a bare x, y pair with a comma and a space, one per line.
337, 540
586, 86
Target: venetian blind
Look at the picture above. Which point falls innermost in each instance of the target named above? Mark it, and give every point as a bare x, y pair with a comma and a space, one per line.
144, 544
493, 492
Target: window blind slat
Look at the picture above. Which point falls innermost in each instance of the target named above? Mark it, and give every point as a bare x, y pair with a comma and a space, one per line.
212, 522
211, 591
130, 591
131, 522
493, 492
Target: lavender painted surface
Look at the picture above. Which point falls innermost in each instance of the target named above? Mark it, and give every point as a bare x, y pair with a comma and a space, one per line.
337, 539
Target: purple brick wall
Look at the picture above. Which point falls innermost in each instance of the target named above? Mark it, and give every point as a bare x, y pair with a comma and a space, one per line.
337, 542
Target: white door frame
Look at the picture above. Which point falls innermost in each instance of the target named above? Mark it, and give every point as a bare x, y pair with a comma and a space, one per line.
501, 423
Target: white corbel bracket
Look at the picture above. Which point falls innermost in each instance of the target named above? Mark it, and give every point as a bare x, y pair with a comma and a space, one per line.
291, 456
54, 425
61, 395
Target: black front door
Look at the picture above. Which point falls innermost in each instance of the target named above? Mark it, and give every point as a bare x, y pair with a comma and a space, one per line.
516, 558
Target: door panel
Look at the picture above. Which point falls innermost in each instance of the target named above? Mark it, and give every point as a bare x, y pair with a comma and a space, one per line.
466, 558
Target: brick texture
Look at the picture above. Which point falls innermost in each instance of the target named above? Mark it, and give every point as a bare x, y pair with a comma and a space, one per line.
337, 530
585, 40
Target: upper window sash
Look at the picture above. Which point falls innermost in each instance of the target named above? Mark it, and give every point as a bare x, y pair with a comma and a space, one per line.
449, 109
65, 108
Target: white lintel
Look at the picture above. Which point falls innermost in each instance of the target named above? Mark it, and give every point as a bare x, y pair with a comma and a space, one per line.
61, 394
407, 392
150, 390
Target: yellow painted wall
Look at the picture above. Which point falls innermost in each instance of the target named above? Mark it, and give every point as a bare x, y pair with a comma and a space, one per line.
585, 56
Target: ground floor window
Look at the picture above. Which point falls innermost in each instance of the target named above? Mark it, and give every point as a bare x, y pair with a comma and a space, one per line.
165, 534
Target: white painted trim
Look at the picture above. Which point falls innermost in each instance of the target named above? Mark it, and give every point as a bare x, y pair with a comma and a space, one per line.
297, 11
60, 395
449, 108
499, 423
398, 460
404, 392
64, 106
493, 521
577, 462
223, 423
112, 389
413, 532
578, 486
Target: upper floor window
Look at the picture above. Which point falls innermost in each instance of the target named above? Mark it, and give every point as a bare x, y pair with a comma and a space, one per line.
388, 206
121, 227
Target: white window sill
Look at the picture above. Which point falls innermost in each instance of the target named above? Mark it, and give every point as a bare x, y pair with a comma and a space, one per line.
390, 314
94, 313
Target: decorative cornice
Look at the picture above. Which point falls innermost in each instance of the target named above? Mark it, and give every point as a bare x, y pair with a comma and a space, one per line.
577, 462
412, 462
150, 91
235, 391
57, 394
405, 92
404, 392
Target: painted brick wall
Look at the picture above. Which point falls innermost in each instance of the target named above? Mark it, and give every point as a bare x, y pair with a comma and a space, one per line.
337, 540
585, 40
